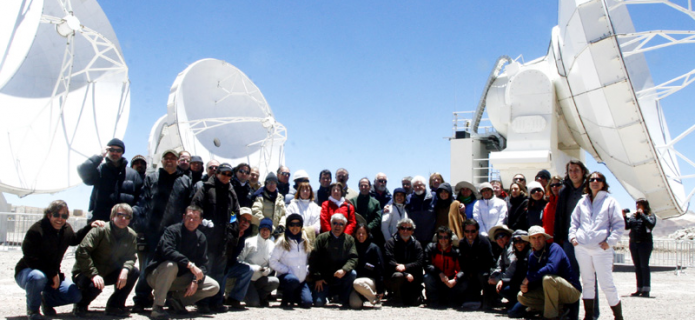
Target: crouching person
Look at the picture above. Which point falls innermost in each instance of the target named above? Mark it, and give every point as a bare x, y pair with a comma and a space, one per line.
256, 254
550, 282
38, 272
178, 267
106, 256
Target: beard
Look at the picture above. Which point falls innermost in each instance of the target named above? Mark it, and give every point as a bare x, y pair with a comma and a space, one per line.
419, 192
381, 188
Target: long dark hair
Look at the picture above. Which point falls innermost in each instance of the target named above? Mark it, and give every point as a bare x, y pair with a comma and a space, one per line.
645, 204
54, 207
587, 189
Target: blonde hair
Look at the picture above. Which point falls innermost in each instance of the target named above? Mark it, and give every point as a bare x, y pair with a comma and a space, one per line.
285, 244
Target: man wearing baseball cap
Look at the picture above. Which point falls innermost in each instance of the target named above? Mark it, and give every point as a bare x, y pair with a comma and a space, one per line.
550, 283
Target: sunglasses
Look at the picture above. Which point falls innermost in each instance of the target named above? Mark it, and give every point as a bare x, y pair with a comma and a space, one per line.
406, 228
58, 215
556, 185
596, 180
382, 181
519, 179
286, 174
226, 174
123, 215
338, 224
470, 231
443, 237
212, 167
242, 171
115, 150
294, 224
536, 190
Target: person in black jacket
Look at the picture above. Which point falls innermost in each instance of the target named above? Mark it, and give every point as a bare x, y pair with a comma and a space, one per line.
476, 262
196, 169
404, 261
369, 283
114, 182
517, 207
324, 191
38, 272
219, 202
179, 267
241, 184
151, 217
641, 225
443, 272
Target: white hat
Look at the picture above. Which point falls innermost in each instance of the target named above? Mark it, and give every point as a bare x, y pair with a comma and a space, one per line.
301, 174
534, 230
485, 185
464, 184
534, 185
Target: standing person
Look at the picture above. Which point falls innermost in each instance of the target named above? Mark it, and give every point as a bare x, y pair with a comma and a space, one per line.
536, 203
550, 282
435, 180
476, 262
517, 206
542, 177
43, 248
139, 164
445, 206
570, 194
283, 183
466, 195
397, 212
421, 211
597, 225
342, 176
520, 179
379, 190
184, 162
114, 182
404, 260
489, 211
305, 206
219, 202
324, 191
106, 256
367, 206
242, 186
290, 260
641, 225
178, 269
332, 263
407, 185
256, 254
253, 179
498, 189
270, 203
369, 282
337, 204
149, 214
196, 169
553, 192
299, 177
443, 273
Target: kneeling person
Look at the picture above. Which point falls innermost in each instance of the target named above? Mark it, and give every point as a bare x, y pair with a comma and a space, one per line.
442, 270
256, 254
106, 256
178, 266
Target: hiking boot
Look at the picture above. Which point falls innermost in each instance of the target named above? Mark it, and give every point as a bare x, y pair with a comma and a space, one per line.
159, 313
79, 312
176, 305
46, 310
34, 315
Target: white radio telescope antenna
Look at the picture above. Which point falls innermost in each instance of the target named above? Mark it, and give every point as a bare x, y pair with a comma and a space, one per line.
215, 111
594, 91
64, 92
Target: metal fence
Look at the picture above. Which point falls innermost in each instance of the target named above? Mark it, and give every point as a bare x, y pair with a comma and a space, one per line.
13, 227
666, 253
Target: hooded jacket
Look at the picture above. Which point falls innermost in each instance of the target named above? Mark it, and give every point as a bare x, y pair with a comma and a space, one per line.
264, 207
421, 211
155, 202
219, 203
596, 221
489, 213
112, 185
256, 254
294, 261
517, 218
310, 212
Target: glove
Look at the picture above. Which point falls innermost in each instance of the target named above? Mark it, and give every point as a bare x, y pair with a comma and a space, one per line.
266, 271
207, 223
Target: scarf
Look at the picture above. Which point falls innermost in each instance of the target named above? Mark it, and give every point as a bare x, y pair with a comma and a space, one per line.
337, 202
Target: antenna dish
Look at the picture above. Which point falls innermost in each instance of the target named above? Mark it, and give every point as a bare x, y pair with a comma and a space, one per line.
67, 82
217, 112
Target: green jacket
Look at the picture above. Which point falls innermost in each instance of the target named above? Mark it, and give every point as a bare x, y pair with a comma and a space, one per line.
331, 254
370, 209
101, 253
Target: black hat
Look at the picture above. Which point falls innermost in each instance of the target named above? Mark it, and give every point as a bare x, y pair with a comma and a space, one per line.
196, 159
225, 167
116, 143
543, 174
271, 177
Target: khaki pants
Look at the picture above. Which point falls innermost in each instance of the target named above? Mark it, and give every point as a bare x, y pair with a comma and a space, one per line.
364, 287
163, 280
556, 291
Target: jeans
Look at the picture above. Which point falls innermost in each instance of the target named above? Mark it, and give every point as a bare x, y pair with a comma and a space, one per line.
641, 252
294, 291
242, 273
403, 291
510, 291
117, 299
341, 286
438, 292
34, 281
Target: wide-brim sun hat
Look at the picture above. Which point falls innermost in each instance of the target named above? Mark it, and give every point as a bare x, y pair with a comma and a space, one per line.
493, 231
465, 184
534, 230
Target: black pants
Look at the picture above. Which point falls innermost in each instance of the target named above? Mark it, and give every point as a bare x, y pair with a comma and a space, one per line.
641, 252
117, 299
408, 293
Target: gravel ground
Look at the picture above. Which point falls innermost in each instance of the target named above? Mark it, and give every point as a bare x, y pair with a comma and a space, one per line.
673, 297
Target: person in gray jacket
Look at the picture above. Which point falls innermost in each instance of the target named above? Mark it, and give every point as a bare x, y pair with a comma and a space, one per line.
256, 254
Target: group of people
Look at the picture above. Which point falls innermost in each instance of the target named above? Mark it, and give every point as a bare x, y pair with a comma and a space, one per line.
214, 236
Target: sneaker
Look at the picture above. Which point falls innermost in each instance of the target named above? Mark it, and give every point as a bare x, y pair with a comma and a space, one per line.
79, 312
119, 312
159, 313
645, 294
46, 310
636, 294
34, 315
176, 305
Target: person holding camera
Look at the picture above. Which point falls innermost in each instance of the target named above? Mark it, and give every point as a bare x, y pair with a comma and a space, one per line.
641, 225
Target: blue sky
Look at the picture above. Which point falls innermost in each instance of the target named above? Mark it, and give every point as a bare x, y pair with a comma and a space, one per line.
369, 86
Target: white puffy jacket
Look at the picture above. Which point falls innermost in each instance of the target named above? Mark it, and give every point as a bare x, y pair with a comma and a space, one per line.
489, 213
309, 210
596, 221
256, 254
294, 261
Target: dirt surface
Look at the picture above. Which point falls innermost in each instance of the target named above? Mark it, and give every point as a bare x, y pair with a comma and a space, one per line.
673, 297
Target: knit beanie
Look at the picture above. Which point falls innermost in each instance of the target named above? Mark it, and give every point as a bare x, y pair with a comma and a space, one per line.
116, 143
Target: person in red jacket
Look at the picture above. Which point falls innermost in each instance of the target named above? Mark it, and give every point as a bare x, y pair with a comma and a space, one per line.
443, 273
337, 204
553, 192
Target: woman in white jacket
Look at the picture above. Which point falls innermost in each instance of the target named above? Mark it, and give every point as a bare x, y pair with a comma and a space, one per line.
597, 225
395, 213
305, 206
489, 211
256, 254
290, 260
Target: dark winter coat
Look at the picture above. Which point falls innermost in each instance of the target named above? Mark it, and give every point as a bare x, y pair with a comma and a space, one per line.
181, 246
383, 198
410, 254
370, 209
331, 254
370, 263
476, 258
568, 198
535, 212
154, 202
112, 185
44, 247
517, 216
243, 193
420, 210
640, 226
219, 203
